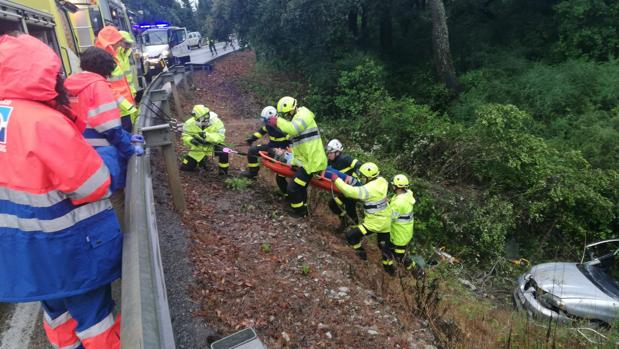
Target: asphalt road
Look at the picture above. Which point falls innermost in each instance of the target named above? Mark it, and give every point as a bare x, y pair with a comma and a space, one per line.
204, 55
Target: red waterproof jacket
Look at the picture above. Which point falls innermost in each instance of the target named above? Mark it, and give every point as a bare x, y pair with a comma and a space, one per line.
92, 100
58, 234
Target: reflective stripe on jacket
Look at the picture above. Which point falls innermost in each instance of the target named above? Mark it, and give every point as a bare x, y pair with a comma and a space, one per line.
374, 197
277, 139
305, 140
402, 218
214, 133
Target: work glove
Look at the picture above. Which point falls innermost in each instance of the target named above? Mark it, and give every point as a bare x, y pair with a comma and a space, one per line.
202, 134
272, 121
196, 141
138, 150
137, 138
249, 141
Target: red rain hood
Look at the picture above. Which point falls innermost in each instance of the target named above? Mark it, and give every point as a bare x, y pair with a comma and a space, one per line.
77, 82
28, 69
107, 37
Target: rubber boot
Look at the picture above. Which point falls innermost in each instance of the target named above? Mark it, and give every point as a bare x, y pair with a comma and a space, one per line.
390, 269
361, 254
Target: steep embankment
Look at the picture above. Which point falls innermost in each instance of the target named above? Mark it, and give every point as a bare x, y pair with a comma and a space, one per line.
293, 280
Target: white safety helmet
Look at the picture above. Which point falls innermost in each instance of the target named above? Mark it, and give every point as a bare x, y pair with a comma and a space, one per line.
334, 145
268, 112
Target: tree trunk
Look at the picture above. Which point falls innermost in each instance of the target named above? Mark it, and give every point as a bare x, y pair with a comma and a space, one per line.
440, 42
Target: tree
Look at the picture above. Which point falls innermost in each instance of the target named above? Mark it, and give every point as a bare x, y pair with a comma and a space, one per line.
440, 43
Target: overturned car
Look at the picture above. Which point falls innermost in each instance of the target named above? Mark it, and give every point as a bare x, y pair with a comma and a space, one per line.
565, 292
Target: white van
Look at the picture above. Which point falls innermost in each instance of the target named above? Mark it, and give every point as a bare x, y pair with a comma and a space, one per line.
193, 40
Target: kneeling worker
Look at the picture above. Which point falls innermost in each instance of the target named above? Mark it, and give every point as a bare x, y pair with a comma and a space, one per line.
277, 140
402, 220
377, 218
307, 147
204, 134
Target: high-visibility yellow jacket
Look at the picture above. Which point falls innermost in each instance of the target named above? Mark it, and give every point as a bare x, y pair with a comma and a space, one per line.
305, 140
402, 219
106, 39
375, 203
124, 63
213, 133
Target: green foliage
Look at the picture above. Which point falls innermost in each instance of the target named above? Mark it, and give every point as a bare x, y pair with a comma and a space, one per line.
588, 28
305, 269
265, 247
237, 183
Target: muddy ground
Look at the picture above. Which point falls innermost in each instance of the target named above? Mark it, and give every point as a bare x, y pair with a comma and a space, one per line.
295, 281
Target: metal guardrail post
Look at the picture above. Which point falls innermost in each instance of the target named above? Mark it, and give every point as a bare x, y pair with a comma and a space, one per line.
169, 154
161, 136
168, 77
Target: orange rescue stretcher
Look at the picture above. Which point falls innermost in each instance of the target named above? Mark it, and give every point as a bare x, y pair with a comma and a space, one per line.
283, 169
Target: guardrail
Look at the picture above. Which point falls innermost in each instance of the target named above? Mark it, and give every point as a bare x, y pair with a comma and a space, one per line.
145, 312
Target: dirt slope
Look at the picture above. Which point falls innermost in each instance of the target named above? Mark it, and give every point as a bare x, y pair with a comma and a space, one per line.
293, 280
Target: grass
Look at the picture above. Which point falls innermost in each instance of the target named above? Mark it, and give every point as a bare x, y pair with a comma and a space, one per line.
237, 183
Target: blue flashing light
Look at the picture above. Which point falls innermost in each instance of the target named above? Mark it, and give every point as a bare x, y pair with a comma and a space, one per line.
144, 26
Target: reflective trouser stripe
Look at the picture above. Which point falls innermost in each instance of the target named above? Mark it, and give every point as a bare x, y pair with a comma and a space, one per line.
388, 262
224, 165
296, 205
105, 334
399, 251
61, 331
300, 182
253, 164
257, 134
356, 246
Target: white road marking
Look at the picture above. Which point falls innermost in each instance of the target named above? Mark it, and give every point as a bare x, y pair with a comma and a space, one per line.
22, 324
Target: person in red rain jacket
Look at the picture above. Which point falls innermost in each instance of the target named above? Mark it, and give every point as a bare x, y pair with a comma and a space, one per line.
60, 241
93, 102
110, 39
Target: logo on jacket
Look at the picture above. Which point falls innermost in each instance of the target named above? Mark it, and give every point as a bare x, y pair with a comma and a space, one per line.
5, 114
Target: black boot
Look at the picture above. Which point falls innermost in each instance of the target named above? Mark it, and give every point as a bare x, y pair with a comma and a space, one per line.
250, 173
362, 254
300, 212
390, 269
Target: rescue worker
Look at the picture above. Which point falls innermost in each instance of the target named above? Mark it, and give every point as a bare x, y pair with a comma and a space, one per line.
204, 134
402, 220
307, 147
124, 61
110, 39
277, 140
350, 166
377, 219
93, 102
60, 240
